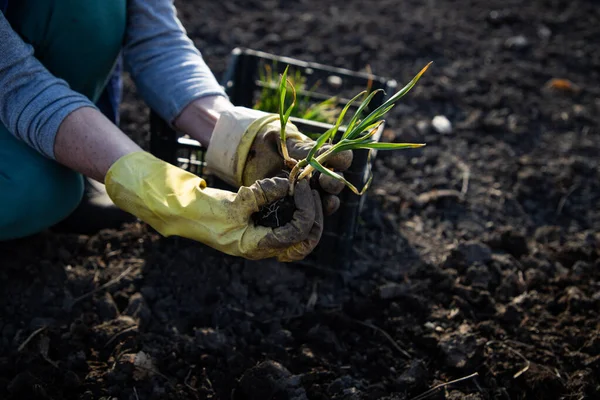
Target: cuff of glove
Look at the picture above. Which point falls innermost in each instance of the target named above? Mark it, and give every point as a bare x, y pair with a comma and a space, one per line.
231, 141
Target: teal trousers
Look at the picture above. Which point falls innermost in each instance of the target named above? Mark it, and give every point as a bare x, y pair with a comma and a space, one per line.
78, 41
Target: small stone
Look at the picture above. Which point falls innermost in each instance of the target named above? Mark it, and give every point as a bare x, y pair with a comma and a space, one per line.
441, 124
457, 395
519, 42
511, 241
494, 120
78, 328
510, 314
423, 126
544, 32
282, 337
575, 299
469, 253
479, 275
460, 349
149, 293
109, 330
138, 308
510, 287
548, 234
351, 394
269, 380
210, 339
144, 366
414, 375
271, 38
307, 356
324, 335
87, 395
582, 269
535, 278
106, 307
340, 384
124, 367
499, 17
429, 325
391, 290
334, 81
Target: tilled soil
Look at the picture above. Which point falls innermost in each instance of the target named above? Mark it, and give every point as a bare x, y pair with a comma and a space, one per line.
478, 254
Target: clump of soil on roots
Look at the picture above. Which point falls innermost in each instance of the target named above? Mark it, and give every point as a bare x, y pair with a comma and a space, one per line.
275, 214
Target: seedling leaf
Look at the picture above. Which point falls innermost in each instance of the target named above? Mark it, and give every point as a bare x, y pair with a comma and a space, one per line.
321, 111
284, 116
384, 108
319, 143
358, 112
319, 167
377, 146
351, 139
332, 131
399, 94
371, 130
368, 121
291, 107
282, 94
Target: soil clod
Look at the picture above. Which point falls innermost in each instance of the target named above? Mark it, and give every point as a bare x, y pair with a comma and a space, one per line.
276, 214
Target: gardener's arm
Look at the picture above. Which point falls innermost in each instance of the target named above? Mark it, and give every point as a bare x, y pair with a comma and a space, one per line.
45, 113
169, 71
62, 124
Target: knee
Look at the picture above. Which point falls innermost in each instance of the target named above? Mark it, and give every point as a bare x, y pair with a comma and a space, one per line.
37, 196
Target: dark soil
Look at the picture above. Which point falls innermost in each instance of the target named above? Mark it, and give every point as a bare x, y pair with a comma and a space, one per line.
502, 279
275, 214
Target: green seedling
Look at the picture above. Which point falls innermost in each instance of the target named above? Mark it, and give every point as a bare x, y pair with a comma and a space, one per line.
358, 134
325, 111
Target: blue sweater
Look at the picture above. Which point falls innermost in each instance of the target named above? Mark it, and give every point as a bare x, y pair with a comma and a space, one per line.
168, 70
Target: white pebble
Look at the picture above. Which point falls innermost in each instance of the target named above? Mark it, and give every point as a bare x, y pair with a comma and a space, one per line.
517, 42
334, 81
441, 124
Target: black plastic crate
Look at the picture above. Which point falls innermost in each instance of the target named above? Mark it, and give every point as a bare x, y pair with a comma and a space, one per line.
243, 84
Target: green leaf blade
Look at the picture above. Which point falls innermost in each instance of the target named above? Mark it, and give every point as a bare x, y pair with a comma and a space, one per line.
282, 94
399, 94
356, 128
332, 131
354, 120
319, 143
319, 167
377, 146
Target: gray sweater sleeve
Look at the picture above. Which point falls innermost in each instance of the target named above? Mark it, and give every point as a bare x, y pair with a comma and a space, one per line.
33, 102
168, 70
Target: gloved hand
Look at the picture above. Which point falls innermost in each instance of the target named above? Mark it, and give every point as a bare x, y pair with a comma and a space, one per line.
176, 202
244, 147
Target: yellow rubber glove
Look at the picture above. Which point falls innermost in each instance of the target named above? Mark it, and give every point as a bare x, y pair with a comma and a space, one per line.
244, 147
176, 202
